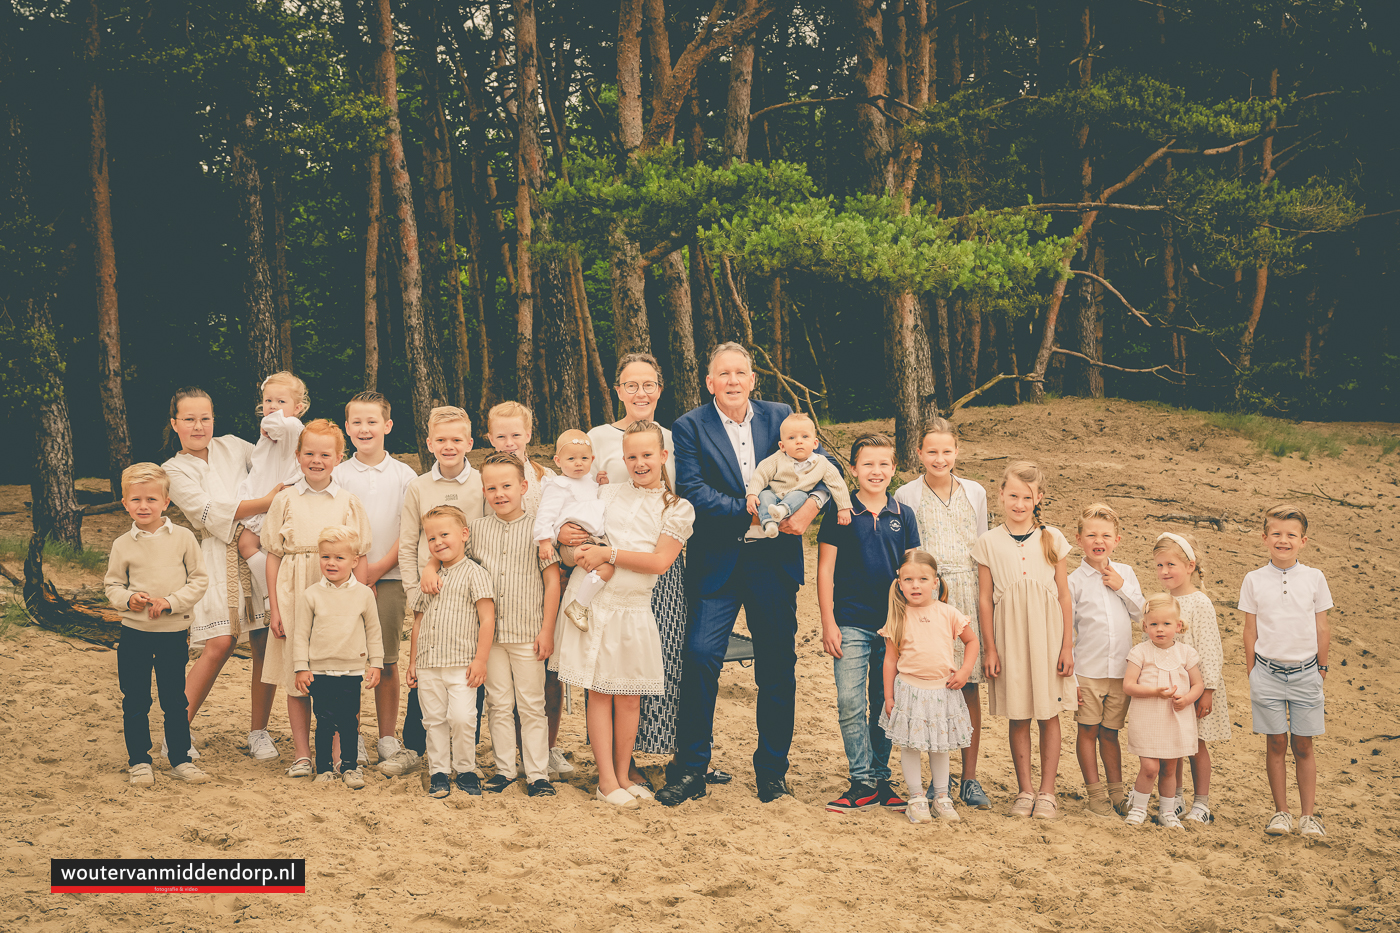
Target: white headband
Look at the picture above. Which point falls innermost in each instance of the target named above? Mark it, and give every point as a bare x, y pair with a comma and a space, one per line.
580, 440
1180, 541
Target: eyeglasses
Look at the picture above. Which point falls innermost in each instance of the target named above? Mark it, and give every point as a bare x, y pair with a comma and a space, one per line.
191, 422
632, 388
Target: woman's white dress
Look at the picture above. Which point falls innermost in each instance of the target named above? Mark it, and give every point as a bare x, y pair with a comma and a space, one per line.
206, 494
620, 654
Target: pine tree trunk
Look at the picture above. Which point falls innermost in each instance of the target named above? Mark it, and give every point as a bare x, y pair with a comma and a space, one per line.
945, 356
104, 262
685, 370
560, 353
529, 167
736, 115
632, 334
263, 330
277, 263
1261, 268
373, 210
705, 327
426, 392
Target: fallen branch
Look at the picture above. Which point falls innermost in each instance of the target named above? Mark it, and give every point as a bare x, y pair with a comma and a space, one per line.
1216, 521
1001, 377
100, 625
104, 508
1124, 495
1104, 282
1323, 495
1155, 370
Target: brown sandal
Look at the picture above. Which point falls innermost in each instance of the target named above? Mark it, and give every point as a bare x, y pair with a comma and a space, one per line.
1023, 805
1045, 807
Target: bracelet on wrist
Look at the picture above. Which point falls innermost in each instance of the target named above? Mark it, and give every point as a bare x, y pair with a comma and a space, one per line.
613, 559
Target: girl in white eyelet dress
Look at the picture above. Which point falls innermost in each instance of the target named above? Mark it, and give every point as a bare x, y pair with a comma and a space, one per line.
618, 660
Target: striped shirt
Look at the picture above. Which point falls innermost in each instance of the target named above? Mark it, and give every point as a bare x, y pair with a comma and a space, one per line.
448, 632
510, 555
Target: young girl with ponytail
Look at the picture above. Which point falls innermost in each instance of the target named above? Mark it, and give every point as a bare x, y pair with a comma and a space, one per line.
1027, 620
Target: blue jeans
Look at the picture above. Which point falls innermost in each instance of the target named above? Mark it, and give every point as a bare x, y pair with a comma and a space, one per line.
860, 699
767, 498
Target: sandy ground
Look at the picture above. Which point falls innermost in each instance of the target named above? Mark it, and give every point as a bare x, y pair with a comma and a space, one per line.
388, 857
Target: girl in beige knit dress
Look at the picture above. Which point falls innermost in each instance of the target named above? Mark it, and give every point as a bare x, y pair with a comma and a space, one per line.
1164, 680
1027, 622
290, 531
1178, 560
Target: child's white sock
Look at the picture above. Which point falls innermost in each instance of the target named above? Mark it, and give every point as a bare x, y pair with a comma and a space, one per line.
938, 765
1201, 800
592, 585
911, 761
257, 566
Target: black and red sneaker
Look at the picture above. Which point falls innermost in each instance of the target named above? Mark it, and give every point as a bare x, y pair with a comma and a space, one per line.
889, 798
859, 797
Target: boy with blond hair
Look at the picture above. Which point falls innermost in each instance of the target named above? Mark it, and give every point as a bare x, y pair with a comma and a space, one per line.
155, 576
451, 481
381, 483
1286, 641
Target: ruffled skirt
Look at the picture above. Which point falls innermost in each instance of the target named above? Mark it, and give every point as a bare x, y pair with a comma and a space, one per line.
930, 720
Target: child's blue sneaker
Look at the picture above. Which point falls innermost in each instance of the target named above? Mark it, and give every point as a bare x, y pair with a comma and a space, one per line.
974, 796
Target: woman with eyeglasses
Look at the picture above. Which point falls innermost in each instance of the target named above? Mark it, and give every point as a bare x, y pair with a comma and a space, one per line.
204, 475
638, 387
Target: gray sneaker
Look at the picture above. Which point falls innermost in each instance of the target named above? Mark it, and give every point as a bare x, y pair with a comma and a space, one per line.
1281, 824
353, 779
400, 763
1310, 825
974, 796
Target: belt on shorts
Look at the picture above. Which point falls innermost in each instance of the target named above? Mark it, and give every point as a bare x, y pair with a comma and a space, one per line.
1290, 668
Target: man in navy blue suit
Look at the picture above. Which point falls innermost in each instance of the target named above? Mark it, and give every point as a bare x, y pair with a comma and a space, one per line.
718, 445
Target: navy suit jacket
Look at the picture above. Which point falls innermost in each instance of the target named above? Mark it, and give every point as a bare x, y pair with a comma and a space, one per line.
707, 474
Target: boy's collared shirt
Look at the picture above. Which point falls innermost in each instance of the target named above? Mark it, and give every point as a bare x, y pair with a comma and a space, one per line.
425, 493
447, 636
508, 552
303, 487
166, 563
1285, 604
343, 635
868, 553
1103, 620
461, 478
380, 488
166, 527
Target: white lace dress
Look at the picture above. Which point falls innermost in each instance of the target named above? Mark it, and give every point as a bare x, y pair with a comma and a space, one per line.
620, 654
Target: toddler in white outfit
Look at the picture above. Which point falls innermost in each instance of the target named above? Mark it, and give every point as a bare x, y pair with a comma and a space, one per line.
572, 496
274, 459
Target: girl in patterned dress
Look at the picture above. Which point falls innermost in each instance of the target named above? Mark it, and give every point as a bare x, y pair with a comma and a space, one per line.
1027, 623
290, 534
924, 707
1178, 559
952, 513
618, 660
1164, 680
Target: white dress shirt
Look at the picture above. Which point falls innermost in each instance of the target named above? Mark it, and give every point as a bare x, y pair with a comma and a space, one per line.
741, 437
380, 487
1103, 621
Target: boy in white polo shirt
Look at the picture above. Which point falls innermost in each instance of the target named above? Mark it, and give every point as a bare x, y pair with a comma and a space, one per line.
380, 482
1286, 640
1107, 601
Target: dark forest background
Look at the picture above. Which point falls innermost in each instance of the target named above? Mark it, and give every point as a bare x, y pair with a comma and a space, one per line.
893, 202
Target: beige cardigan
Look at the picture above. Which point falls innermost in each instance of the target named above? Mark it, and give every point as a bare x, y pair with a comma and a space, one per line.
779, 473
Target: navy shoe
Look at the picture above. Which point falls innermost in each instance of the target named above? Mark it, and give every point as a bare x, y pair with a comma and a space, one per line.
439, 785
769, 791
469, 783
497, 783
888, 798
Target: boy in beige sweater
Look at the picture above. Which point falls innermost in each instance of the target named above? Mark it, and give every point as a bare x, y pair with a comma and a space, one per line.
337, 649
782, 483
155, 576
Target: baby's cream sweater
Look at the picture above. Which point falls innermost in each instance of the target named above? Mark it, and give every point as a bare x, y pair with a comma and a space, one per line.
779, 473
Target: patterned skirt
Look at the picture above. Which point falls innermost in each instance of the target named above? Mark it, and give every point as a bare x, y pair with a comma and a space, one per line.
656, 733
930, 720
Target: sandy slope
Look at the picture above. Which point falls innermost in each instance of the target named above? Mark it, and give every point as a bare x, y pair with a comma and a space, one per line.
389, 858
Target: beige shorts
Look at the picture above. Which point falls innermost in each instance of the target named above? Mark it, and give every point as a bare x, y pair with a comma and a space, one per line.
1102, 702
389, 599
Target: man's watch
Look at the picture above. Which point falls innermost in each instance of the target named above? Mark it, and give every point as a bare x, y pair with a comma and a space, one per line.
1322, 667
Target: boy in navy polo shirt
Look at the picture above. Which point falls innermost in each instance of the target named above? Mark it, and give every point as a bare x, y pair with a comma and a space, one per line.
856, 564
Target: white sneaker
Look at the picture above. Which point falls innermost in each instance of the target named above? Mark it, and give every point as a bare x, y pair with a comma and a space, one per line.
1310, 825
943, 808
300, 768
353, 779
325, 777
165, 749
386, 747
917, 810
142, 774
1280, 824
400, 763
1200, 813
558, 764
361, 755
261, 746
1169, 820
189, 773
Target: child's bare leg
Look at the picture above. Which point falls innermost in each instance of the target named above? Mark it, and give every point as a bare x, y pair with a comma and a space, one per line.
263, 694
627, 712
1148, 770
200, 680
1086, 749
248, 543
1167, 789
974, 713
1306, 766
1049, 754
1277, 764
386, 700
1200, 769
1019, 737
299, 717
1112, 752
600, 736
